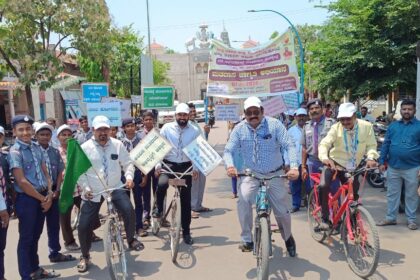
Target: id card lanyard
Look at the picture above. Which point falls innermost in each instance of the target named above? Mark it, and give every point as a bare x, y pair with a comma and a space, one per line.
351, 151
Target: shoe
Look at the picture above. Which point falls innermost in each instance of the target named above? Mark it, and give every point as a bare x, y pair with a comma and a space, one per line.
72, 247
142, 233
234, 196
156, 214
291, 246
136, 245
146, 224
83, 264
412, 225
384, 223
246, 246
62, 258
188, 239
195, 215
293, 210
304, 203
324, 225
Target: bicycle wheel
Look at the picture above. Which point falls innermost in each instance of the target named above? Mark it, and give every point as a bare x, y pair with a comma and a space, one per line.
262, 249
114, 250
361, 245
175, 229
315, 219
75, 215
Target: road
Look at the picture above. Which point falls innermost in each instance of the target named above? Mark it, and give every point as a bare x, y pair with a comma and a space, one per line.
215, 253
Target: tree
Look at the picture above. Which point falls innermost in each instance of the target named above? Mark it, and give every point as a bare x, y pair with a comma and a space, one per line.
160, 73
36, 34
367, 48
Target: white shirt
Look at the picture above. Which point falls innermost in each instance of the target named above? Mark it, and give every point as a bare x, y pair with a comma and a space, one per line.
118, 159
2, 203
171, 132
197, 126
295, 133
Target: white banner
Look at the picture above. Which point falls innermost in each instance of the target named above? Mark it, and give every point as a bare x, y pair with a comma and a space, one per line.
202, 155
125, 105
150, 151
227, 112
110, 110
274, 106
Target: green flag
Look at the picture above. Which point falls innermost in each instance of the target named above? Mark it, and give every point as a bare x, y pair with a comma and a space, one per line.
77, 164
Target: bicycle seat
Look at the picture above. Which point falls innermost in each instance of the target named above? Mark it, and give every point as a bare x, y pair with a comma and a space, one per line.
316, 177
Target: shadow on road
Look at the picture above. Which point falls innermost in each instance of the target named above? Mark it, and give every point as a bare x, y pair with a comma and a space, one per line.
296, 267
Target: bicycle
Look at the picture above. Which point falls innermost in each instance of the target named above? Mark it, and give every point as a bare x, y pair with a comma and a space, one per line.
174, 208
262, 226
357, 228
113, 240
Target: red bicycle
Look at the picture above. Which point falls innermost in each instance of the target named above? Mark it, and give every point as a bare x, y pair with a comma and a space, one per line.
357, 227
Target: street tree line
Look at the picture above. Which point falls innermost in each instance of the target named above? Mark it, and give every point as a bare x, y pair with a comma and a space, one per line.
366, 49
38, 37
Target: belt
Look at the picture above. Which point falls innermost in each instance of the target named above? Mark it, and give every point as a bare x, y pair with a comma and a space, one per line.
177, 163
278, 169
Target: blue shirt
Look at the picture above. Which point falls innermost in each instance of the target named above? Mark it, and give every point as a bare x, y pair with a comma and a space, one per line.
261, 147
401, 147
56, 162
20, 156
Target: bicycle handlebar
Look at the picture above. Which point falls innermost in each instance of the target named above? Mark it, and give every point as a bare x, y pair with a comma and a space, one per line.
110, 190
260, 178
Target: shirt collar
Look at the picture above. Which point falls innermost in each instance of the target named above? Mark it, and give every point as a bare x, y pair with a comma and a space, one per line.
97, 144
261, 124
23, 144
412, 121
320, 120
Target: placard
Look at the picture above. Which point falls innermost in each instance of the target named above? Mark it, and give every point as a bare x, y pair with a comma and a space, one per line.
150, 151
274, 106
93, 92
202, 155
227, 112
111, 110
125, 105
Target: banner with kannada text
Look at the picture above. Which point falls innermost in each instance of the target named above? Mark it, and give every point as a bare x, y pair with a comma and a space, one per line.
265, 70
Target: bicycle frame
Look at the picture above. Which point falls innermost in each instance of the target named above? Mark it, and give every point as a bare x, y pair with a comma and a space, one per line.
344, 195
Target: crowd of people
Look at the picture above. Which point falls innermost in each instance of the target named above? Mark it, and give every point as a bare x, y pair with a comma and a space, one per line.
32, 172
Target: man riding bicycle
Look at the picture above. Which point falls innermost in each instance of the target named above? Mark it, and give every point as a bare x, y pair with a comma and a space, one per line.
260, 140
347, 142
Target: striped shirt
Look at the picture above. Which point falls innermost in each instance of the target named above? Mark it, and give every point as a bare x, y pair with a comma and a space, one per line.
261, 148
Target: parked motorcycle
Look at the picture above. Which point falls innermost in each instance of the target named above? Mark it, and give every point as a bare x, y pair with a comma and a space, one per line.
375, 177
380, 131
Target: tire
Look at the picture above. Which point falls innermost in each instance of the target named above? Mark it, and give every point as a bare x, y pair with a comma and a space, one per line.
75, 214
114, 250
362, 253
376, 180
263, 249
175, 229
315, 221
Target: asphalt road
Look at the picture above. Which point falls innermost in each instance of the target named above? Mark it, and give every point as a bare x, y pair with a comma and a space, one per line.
215, 253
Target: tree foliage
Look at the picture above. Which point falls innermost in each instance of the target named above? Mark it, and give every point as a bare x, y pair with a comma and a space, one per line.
367, 48
36, 34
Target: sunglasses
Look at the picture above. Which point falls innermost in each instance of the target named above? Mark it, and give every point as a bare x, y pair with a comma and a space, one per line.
252, 113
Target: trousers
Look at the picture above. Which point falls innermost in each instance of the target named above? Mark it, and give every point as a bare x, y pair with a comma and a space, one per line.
197, 192
89, 212
278, 198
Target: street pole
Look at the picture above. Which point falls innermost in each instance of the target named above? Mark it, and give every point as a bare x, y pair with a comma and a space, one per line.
302, 52
418, 82
148, 28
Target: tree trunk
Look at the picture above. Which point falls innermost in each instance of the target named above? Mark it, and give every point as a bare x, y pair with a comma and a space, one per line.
28, 93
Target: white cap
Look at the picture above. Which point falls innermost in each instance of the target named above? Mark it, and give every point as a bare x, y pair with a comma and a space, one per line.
252, 101
301, 111
182, 108
346, 110
100, 121
2, 130
64, 127
44, 125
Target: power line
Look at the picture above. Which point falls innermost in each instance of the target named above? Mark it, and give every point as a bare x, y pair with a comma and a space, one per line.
231, 20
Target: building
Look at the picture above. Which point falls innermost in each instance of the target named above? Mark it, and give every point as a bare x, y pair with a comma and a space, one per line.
189, 70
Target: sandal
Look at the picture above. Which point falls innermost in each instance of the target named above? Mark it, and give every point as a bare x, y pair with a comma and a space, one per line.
142, 233
96, 238
204, 209
83, 264
195, 215
386, 223
43, 274
146, 224
62, 258
136, 245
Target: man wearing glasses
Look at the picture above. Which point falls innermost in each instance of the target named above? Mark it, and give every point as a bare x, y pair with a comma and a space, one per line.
260, 140
346, 143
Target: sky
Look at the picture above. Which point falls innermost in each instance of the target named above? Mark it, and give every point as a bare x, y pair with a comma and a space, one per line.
174, 22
